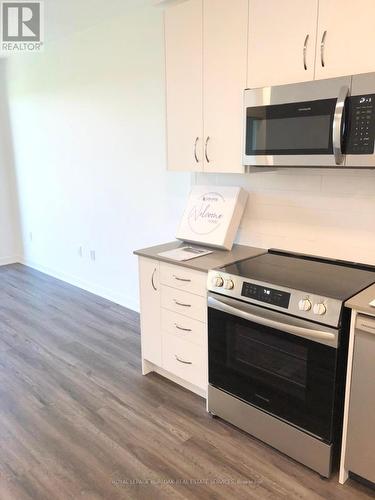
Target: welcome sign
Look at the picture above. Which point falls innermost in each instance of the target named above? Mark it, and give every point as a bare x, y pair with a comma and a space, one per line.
212, 216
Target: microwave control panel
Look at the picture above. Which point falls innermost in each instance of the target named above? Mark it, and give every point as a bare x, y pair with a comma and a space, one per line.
361, 110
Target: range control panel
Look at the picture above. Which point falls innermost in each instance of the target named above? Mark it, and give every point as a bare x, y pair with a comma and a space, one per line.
297, 303
268, 295
361, 124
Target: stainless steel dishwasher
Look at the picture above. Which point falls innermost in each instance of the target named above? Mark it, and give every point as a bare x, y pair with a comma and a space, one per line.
360, 458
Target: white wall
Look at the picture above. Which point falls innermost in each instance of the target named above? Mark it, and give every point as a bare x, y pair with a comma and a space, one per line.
321, 212
89, 134
10, 246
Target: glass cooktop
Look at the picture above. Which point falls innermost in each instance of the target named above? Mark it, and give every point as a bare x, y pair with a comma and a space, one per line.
329, 278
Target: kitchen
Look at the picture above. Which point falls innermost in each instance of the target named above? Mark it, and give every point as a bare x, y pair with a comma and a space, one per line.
211, 53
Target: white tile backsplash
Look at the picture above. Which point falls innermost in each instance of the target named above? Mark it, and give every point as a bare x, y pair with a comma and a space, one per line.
322, 212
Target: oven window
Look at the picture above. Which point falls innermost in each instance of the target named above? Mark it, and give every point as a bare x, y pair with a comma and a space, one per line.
298, 128
266, 357
288, 376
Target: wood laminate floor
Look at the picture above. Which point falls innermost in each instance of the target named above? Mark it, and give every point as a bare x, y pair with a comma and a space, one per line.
78, 420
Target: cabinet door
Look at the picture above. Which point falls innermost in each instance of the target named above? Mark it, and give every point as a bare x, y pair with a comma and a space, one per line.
282, 41
225, 27
346, 38
184, 54
360, 454
150, 310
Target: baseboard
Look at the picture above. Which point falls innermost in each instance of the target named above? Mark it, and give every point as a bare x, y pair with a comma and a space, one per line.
94, 288
5, 261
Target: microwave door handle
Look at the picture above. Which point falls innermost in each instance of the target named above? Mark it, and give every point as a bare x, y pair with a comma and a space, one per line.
300, 331
337, 124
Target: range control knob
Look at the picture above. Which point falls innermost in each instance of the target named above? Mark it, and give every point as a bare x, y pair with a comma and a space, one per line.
228, 284
217, 281
304, 305
320, 309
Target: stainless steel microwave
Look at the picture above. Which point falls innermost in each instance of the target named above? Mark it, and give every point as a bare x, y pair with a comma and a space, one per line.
323, 123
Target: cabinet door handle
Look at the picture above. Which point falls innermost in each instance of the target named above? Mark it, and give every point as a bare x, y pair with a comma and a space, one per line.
182, 361
195, 150
322, 48
182, 329
181, 304
305, 51
205, 149
185, 280
152, 280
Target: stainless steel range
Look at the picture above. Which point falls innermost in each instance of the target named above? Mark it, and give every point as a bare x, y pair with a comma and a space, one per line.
277, 338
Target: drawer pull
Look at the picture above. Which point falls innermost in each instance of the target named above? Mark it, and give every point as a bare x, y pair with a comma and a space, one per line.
182, 361
182, 329
181, 279
181, 304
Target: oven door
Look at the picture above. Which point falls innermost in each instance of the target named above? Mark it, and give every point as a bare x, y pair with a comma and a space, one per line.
296, 125
278, 363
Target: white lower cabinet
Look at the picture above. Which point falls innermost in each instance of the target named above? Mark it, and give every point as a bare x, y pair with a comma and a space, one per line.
183, 279
184, 303
149, 288
185, 360
174, 323
183, 327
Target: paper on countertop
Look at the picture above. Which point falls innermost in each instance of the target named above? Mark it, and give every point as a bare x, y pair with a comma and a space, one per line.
372, 303
185, 253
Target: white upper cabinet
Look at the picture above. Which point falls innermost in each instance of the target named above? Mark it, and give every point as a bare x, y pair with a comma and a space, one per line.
206, 59
282, 40
225, 28
346, 38
217, 48
184, 59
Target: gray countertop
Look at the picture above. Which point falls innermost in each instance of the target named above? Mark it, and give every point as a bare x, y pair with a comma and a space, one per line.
360, 302
218, 258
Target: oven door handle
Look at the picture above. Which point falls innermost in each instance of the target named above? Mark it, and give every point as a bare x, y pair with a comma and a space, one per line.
321, 336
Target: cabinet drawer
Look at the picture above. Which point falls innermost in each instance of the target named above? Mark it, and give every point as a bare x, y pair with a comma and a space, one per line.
185, 360
183, 278
184, 327
184, 303
366, 324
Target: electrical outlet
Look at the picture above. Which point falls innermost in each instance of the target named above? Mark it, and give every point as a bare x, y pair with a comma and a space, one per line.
92, 255
80, 251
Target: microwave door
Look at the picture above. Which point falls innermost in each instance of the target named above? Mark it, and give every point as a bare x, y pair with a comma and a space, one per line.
296, 125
